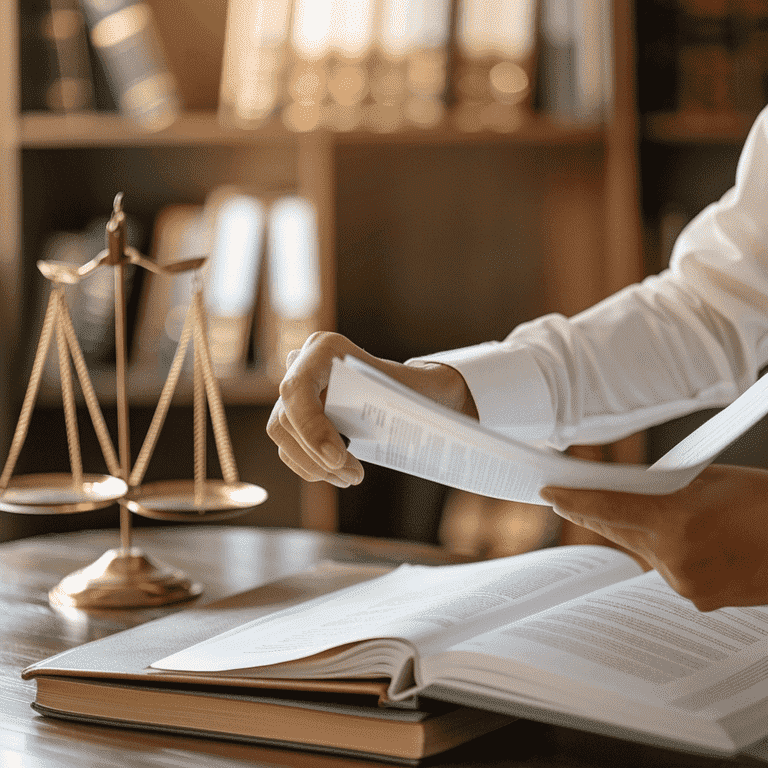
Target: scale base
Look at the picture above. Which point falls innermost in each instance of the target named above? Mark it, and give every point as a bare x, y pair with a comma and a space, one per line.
123, 578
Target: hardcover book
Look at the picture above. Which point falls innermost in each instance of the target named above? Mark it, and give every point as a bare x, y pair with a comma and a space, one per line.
109, 681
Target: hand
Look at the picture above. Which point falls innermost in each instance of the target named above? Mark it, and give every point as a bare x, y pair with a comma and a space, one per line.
708, 540
308, 443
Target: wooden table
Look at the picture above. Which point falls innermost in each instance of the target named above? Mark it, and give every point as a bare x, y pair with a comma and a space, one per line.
227, 560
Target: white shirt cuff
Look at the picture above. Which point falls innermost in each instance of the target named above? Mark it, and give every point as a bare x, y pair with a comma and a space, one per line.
508, 387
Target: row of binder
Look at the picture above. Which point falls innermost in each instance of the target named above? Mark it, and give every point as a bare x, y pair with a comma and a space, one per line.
260, 253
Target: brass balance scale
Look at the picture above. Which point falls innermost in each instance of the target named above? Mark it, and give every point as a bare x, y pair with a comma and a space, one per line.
125, 577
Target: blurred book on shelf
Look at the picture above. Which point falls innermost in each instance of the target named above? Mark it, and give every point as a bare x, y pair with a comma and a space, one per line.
657, 38
255, 49
408, 68
382, 65
229, 230
705, 56
703, 66
294, 289
495, 63
234, 224
55, 62
177, 235
750, 55
125, 39
575, 61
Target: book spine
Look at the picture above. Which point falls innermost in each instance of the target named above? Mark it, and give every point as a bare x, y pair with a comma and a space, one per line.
71, 88
657, 40
236, 222
55, 62
293, 256
557, 59
124, 36
705, 57
253, 70
750, 56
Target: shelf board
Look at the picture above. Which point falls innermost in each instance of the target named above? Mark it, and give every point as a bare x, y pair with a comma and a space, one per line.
534, 130
43, 130
251, 387
697, 127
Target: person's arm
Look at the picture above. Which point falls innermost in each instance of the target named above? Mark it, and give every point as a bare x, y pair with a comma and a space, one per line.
690, 338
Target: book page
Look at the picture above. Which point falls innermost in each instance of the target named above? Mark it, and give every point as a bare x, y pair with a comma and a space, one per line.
392, 426
639, 639
429, 607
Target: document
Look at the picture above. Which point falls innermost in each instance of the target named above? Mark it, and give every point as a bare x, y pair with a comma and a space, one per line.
392, 426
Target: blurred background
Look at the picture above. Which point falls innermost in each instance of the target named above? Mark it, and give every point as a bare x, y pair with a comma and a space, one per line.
416, 174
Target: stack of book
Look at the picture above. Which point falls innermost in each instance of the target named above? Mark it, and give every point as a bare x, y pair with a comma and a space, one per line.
414, 662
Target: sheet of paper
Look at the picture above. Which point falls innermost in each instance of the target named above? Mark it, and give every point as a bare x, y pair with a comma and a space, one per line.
392, 426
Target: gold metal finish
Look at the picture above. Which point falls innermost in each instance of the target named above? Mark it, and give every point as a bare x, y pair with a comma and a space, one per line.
57, 493
186, 500
123, 578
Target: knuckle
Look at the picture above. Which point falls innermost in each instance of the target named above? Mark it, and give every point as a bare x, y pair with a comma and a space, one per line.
320, 338
288, 386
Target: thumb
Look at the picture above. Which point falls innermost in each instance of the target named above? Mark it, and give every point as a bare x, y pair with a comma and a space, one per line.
614, 508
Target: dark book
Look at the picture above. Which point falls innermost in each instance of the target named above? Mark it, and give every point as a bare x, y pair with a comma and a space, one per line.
55, 61
125, 38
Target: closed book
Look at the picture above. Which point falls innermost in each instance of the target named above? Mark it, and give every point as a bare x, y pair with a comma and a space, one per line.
126, 41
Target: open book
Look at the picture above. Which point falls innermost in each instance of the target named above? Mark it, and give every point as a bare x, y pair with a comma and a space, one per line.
577, 636
393, 426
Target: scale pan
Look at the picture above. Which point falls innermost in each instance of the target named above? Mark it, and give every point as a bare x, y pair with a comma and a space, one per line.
57, 494
176, 500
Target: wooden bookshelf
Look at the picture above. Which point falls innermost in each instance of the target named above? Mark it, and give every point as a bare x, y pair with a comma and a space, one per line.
589, 242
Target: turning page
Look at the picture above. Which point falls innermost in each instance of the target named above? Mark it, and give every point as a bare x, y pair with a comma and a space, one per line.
428, 607
392, 426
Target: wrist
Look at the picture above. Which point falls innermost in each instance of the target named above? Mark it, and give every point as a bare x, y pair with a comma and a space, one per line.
448, 387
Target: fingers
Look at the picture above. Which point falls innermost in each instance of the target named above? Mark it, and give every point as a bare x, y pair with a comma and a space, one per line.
301, 390
308, 442
304, 462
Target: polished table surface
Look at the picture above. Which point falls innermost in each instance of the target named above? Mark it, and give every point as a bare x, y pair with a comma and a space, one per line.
226, 559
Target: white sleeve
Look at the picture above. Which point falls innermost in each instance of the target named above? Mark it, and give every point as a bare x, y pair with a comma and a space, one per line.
692, 337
